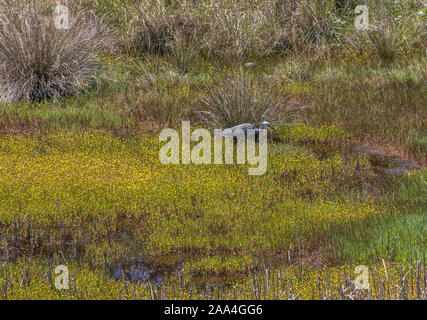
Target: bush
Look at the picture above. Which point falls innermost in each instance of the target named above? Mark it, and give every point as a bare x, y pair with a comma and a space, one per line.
39, 61
240, 99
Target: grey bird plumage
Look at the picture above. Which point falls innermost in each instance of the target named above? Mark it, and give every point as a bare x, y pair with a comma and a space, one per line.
242, 129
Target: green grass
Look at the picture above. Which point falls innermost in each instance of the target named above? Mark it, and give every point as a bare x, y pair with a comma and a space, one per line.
399, 237
371, 101
100, 176
82, 185
117, 181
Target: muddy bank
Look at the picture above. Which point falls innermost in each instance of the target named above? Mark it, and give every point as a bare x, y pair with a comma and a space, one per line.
383, 163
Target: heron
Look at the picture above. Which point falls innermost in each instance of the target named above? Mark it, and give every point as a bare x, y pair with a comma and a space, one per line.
242, 129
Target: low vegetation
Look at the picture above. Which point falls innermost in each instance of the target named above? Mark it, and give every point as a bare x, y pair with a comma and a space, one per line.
81, 183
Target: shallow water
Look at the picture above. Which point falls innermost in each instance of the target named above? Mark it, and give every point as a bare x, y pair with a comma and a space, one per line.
139, 270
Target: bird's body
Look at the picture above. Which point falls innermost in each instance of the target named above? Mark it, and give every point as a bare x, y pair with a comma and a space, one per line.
242, 129
238, 130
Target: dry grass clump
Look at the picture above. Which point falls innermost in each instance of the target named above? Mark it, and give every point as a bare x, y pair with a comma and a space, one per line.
309, 23
396, 29
241, 28
240, 99
262, 28
154, 27
39, 61
229, 28
384, 43
157, 32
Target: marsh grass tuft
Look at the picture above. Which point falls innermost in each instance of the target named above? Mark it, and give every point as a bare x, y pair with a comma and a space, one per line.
242, 98
39, 61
